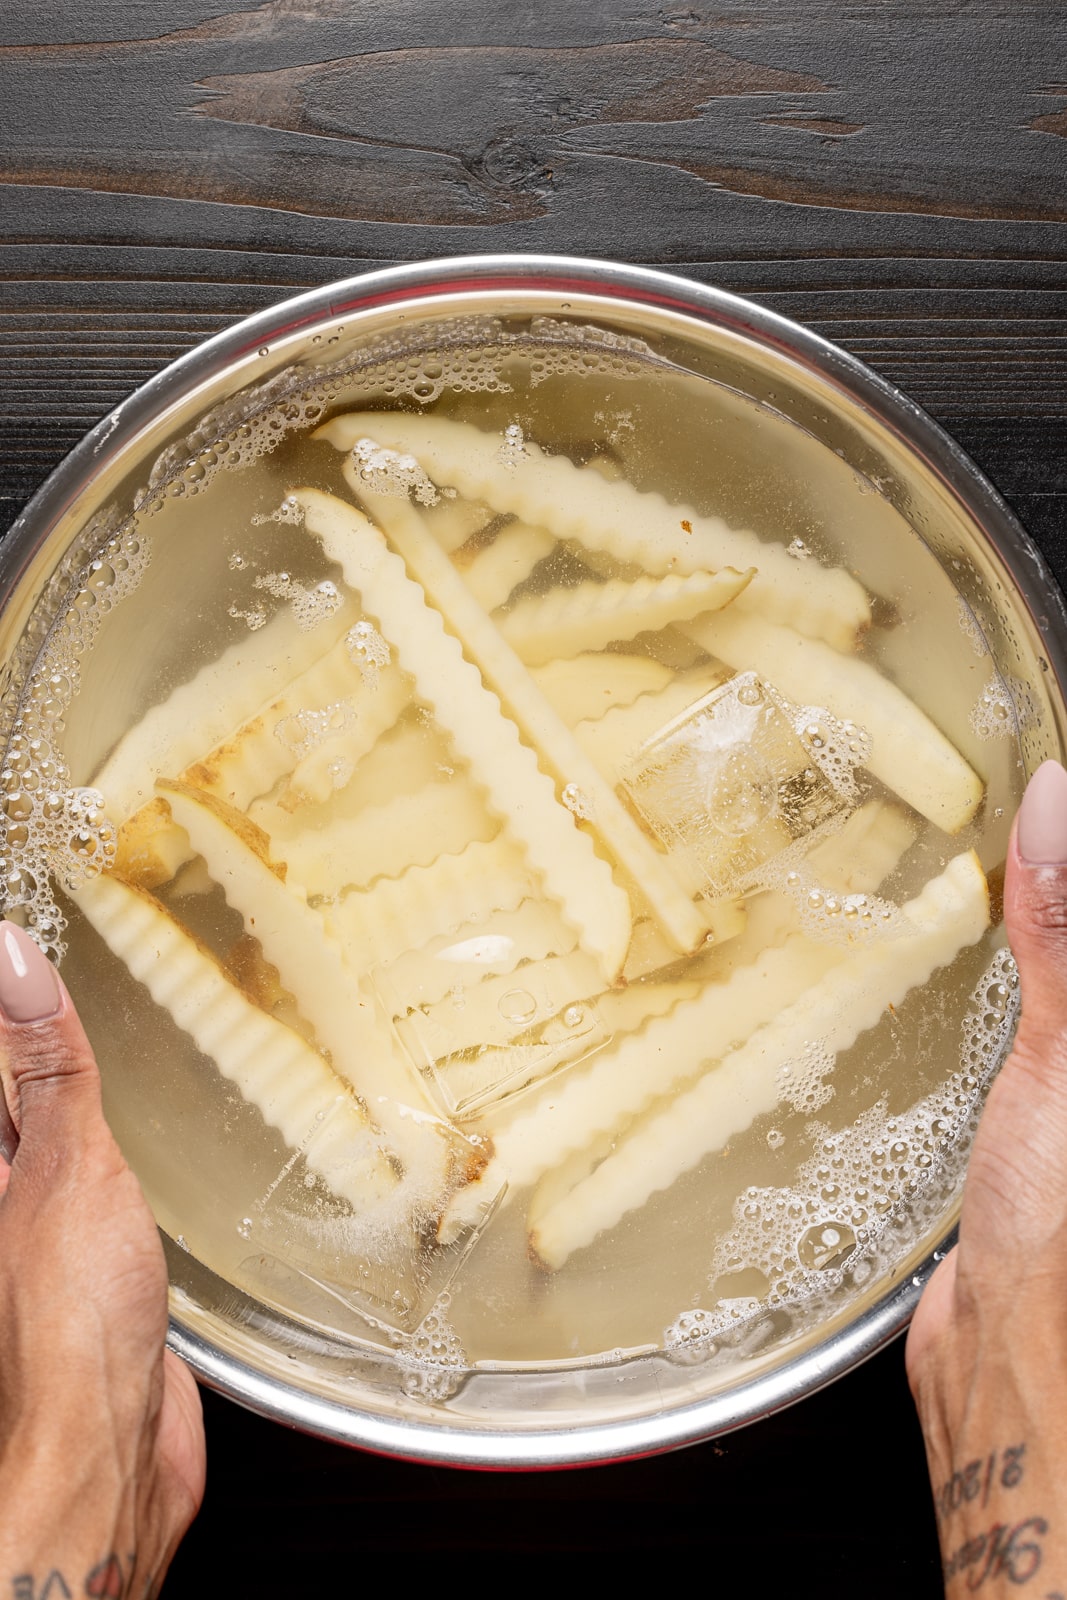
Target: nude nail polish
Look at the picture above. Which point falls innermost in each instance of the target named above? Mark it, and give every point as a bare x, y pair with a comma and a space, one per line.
29, 988
1041, 836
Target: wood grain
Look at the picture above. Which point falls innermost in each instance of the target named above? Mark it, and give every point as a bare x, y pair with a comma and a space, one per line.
892, 173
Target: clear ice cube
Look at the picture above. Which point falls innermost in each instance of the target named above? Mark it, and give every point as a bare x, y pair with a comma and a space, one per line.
490, 1037
733, 784
316, 1255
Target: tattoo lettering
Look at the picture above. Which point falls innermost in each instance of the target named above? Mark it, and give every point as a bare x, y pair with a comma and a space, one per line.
978, 1478
53, 1588
104, 1582
1001, 1552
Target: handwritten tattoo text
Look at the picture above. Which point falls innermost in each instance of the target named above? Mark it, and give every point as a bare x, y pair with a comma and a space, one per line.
1007, 1552
1000, 1468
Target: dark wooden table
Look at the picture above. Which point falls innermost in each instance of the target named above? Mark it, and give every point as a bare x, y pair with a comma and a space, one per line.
892, 173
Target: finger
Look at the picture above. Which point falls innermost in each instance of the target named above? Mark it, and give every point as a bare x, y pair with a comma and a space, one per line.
49, 1075
8, 1137
1035, 909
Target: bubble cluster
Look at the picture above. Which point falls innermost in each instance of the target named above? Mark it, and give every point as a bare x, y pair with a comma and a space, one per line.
310, 606
368, 650
513, 450
801, 1082
290, 512
993, 717
835, 918
991, 1015
50, 830
389, 472
304, 731
868, 1193
431, 1359
254, 618
836, 747
798, 550
563, 348
577, 801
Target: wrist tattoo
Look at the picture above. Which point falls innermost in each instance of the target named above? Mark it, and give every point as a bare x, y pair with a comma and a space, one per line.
54, 1587
105, 1581
1013, 1553
1002, 1468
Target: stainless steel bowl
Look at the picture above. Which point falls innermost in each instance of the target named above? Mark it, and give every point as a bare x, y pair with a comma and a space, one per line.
623, 1404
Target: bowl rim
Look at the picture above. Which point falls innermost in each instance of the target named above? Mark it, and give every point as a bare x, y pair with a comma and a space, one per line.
911, 427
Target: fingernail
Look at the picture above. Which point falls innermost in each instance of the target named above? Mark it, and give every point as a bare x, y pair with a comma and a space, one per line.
1041, 836
29, 989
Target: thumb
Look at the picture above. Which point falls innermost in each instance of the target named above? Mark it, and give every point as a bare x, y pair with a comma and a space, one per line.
47, 1069
1035, 910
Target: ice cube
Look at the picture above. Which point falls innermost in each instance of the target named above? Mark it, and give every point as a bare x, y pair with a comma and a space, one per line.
320, 1256
489, 1039
733, 783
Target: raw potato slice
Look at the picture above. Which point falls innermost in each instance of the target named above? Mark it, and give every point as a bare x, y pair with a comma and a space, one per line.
411, 831
518, 792
494, 572
670, 903
313, 969
287, 1081
578, 503
564, 622
402, 913
908, 753
203, 712
951, 913
587, 686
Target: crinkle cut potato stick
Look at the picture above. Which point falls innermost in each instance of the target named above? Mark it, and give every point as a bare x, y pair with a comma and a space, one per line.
579, 503
493, 573
599, 1098
668, 900
252, 758
908, 753
621, 1081
313, 969
584, 688
316, 776
950, 913
620, 732
275, 1070
406, 758
425, 902
519, 793
202, 713
590, 615
251, 762
503, 942
383, 841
